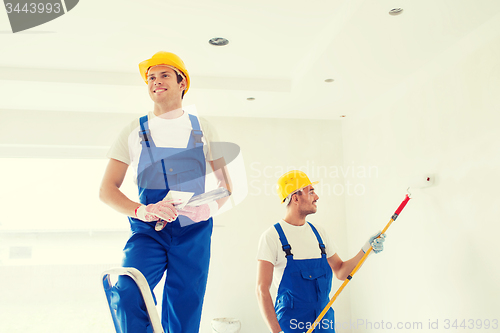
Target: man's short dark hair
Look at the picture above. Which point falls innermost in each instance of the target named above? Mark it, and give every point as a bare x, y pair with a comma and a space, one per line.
299, 192
179, 80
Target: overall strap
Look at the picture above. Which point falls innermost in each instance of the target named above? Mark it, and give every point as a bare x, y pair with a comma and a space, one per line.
320, 241
196, 133
145, 135
284, 242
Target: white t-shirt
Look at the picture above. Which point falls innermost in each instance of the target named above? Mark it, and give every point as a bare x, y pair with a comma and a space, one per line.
170, 133
302, 240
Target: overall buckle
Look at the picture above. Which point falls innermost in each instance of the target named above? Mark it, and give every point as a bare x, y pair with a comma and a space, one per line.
288, 250
144, 135
322, 248
197, 135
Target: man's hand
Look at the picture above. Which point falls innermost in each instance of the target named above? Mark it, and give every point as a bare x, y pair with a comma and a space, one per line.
375, 242
199, 213
163, 210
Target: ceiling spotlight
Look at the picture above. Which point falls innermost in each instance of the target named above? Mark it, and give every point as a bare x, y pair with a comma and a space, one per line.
342, 116
395, 11
251, 99
218, 41
329, 80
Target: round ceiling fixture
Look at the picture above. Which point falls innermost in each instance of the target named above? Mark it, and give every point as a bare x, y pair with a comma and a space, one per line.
329, 80
218, 41
395, 11
251, 99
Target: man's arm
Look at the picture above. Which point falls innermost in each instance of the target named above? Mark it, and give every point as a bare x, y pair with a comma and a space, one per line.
342, 269
204, 212
110, 194
220, 171
264, 280
109, 191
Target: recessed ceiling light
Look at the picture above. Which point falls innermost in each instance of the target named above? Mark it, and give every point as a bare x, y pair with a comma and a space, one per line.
395, 11
218, 41
329, 80
251, 99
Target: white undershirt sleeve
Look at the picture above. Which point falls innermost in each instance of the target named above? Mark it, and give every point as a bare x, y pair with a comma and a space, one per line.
267, 249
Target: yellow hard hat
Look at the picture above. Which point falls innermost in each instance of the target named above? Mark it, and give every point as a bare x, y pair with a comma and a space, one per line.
164, 58
291, 182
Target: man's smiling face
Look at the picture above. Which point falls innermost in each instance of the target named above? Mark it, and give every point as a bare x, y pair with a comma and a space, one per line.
163, 86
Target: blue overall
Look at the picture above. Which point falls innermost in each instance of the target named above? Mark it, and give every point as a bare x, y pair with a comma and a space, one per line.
304, 290
182, 248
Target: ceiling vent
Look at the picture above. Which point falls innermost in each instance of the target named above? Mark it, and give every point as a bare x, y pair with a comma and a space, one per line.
218, 41
395, 11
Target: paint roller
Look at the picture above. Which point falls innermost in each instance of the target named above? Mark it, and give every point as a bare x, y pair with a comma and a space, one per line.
346, 281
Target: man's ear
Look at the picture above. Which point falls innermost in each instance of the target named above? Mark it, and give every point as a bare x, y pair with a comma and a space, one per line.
183, 84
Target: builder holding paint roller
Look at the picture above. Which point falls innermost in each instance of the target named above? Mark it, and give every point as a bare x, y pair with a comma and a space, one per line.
302, 260
169, 150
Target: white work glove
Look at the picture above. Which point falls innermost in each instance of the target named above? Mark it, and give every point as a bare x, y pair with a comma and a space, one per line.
199, 213
163, 210
377, 244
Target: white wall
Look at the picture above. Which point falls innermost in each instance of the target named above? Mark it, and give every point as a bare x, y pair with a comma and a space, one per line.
440, 260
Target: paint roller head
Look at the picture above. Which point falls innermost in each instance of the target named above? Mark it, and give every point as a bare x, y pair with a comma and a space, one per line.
421, 181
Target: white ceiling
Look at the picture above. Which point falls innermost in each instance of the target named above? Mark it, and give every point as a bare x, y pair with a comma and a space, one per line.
280, 53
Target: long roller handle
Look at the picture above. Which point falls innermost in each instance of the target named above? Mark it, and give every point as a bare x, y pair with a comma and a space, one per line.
346, 281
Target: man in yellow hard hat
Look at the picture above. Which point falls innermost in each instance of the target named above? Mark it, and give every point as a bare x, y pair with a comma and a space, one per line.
168, 149
301, 259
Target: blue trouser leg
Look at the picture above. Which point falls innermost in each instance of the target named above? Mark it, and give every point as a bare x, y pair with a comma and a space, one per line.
149, 256
186, 280
185, 254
